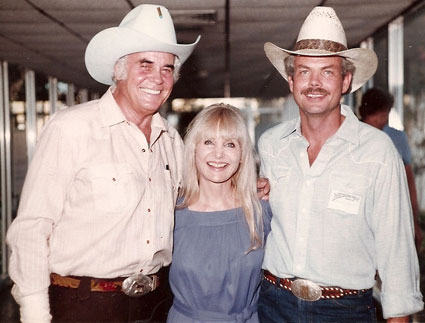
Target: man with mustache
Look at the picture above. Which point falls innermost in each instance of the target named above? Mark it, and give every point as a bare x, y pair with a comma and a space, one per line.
339, 196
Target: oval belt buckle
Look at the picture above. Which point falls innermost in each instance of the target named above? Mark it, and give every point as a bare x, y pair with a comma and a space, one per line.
306, 290
138, 285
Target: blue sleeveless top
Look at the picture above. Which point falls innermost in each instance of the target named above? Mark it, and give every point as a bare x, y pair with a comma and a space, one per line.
212, 277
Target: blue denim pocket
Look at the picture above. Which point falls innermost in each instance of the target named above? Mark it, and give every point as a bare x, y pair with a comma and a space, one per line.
353, 308
279, 305
267, 287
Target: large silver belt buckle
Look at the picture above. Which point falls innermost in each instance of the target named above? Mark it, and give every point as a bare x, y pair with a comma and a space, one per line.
306, 290
139, 284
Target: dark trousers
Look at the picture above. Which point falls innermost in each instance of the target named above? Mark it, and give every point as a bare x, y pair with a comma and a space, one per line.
279, 305
68, 305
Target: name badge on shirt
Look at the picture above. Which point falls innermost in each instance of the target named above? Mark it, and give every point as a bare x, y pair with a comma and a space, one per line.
345, 202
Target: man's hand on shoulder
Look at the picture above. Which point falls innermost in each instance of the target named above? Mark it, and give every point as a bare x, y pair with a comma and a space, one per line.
263, 188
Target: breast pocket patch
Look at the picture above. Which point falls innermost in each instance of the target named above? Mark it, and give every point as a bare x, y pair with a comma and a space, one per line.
345, 202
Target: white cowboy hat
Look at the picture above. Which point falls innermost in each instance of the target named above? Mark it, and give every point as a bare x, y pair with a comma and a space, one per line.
322, 34
146, 28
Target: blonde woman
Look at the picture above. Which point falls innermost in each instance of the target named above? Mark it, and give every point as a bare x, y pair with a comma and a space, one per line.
219, 225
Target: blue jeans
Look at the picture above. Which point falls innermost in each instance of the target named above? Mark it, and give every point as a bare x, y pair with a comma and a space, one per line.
279, 305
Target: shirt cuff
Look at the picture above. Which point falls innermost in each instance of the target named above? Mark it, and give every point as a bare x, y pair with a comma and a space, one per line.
401, 305
34, 308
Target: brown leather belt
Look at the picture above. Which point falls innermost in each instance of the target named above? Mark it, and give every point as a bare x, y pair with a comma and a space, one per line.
96, 284
325, 292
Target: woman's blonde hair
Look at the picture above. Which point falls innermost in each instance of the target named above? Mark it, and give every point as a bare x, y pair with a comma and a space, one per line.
231, 124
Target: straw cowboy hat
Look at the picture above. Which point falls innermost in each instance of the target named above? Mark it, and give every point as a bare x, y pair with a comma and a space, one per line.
146, 28
322, 34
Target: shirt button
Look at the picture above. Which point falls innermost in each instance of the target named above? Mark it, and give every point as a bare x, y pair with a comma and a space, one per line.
150, 180
114, 179
147, 241
149, 210
143, 150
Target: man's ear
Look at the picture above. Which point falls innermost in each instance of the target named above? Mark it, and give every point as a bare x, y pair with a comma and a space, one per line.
291, 83
346, 82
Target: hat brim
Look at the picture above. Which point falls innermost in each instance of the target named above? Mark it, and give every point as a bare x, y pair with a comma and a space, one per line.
364, 60
106, 47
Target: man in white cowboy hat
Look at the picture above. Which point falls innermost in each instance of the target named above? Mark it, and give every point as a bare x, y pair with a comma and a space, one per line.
339, 197
98, 201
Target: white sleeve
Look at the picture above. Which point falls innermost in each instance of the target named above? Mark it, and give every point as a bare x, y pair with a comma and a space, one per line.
397, 261
34, 308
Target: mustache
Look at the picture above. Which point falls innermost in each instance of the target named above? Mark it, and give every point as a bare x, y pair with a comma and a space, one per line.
316, 90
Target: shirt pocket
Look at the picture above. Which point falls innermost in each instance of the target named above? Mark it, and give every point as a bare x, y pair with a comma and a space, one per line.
280, 172
111, 186
279, 181
347, 193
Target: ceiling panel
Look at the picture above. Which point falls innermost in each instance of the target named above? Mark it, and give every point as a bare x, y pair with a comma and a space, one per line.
50, 36
80, 4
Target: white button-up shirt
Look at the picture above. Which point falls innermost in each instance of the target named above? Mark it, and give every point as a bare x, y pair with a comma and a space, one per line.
346, 216
97, 200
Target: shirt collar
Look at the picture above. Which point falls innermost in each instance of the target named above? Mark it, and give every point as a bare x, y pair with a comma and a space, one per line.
111, 114
293, 126
160, 125
348, 131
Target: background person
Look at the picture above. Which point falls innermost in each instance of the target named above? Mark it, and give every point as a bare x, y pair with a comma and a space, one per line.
218, 236
339, 196
98, 201
375, 110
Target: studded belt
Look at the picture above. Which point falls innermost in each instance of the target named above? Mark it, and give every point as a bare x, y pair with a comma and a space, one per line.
308, 290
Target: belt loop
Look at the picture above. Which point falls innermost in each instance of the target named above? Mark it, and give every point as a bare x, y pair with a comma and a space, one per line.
84, 288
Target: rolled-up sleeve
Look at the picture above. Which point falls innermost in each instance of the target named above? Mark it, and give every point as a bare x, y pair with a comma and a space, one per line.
40, 208
396, 257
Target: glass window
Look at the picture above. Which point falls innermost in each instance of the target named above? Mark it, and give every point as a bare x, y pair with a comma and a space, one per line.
62, 93
42, 100
380, 40
414, 94
18, 143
